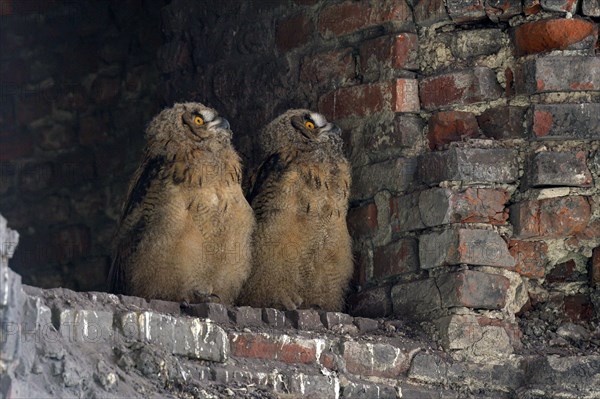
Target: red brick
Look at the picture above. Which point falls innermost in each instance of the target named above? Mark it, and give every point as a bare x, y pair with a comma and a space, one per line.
71, 242
333, 68
503, 122
585, 237
502, 9
362, 221
293, 32
15, 145
6, 7
273, 347
473, 289
395, 258
32, 106
552, 34
595, 266
578, 307
400, 95
351, 16
531, 257
105, 89
550, 218
564, 273
459, 88
531, 7
512, 329
93, 129
395, 51
448, 126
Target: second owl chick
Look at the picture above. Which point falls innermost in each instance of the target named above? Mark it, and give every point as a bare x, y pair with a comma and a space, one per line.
302, 253
186, 227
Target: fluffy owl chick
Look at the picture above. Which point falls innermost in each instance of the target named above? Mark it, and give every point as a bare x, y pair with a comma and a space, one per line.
302, 254
186, 227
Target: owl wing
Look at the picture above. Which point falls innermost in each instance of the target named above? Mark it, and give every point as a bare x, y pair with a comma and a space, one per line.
265, 182
133, 221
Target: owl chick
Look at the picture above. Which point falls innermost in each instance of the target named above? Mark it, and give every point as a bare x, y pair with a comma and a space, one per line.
186, 227
302, 253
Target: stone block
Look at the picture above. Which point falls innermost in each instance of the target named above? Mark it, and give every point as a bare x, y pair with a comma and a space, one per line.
546, 169
469, 165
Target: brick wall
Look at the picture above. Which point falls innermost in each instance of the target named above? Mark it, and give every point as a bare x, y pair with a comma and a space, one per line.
472, 128
77, 85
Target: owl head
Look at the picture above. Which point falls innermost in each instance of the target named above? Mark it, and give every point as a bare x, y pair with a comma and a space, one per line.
303, 129
188, 124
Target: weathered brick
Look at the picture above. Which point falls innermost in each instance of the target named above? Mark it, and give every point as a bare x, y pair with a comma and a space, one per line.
167, 307
305, 319
293, 32
362, 220
273, 347
87, 326
274, 318
459, 88
550, 218
395, 51
429, 12
554, 73
395, 175
465, 332
395, 258
333, 319
366, 325
591, 8
439, 206
212, 311
469, 165
332, 68
15, 145
560, 5
565, 121
595, 266
470, 246
373, 303
564, 272
531, 257
553, 34
356, 390
448, 126
503, 122
347, 17
202, 340
104, 89
416, 299
502, 9
473, 289
71, 242
465, 10
557, 169
399, 95
531, 7
246, 316
578, 307
310, 386
379, 360
585, 237
404, 131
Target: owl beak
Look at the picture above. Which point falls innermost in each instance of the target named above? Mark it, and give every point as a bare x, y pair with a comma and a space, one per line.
220, 123
330, 129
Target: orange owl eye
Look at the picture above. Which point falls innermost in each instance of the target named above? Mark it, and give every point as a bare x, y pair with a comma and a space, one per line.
198, 120
309, 125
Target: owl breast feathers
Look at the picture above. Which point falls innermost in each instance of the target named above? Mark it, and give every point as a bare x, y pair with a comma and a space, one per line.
302, 253
185, 230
